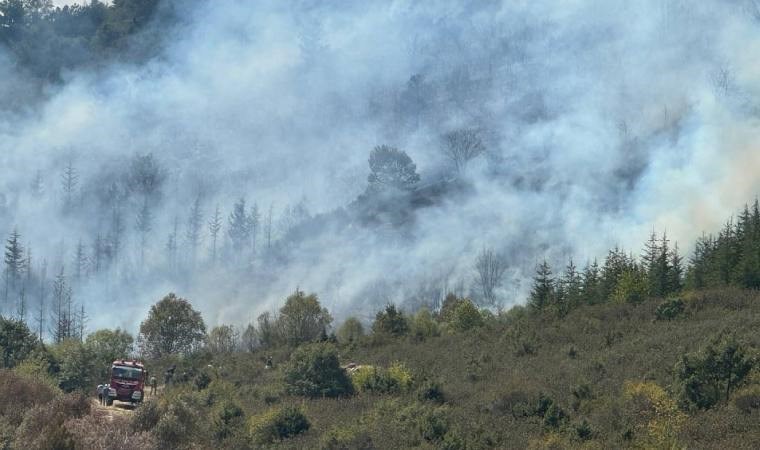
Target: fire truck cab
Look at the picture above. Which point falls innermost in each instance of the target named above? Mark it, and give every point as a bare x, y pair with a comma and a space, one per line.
127, 382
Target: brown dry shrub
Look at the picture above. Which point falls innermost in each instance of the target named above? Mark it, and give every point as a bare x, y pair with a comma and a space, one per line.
19, 393
97, 431
43, 425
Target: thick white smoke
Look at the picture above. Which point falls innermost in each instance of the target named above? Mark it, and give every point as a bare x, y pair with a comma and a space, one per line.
602, 121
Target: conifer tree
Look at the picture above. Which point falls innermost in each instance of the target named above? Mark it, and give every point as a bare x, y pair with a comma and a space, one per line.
238, 229
543, 291
590, 284
214, 226
144, 225
194, 225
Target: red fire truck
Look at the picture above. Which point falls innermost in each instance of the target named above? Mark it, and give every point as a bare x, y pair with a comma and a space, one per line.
127, 382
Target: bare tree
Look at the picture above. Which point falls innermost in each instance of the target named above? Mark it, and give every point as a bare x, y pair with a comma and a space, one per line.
461, 146
490, 268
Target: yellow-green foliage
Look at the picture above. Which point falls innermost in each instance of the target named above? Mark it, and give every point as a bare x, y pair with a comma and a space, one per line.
36, 369
276, 424
396, 378
424, 325
656, 414
400, 375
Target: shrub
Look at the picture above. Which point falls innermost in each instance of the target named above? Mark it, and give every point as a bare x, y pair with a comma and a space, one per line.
631, 288
706, 376
43, 426
351, 331
380, 380
657, 415
390, 321
277, 424
431, 390
584, 431
747, 399
424, 326
16, 342
101, 432
669, 309
465, 316
146, 416
346, 438
314, 371
226, 420
19, 393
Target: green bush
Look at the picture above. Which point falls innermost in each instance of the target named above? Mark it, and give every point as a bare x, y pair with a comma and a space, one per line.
314, 371
277, 424
465, 316
424, 325
707, 376
351, 331
146, 416
431, 390
227, 419
669, 309
390, 321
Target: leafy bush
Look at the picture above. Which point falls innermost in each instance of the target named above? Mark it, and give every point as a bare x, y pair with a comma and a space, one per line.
302, 319
277, 424
669, 309
423, 325
465, 316
16, 342
351, 331
380, 380
431, 390
314, 371
226, 420
390, 321
655, 414
705, 377
584, 431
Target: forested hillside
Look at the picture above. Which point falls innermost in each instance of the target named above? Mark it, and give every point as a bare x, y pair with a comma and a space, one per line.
625, 356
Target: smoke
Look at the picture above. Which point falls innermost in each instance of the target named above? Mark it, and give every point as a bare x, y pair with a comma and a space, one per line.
602, 120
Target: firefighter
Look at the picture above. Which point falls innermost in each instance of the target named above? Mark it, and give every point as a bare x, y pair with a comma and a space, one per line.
169, 375
153, 383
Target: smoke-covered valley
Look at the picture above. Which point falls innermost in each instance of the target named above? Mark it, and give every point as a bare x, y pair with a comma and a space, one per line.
596, 122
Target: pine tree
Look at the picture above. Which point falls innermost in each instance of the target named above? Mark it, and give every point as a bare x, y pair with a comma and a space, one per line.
22, 305
214, 226
80, 262
116, 235
69, 183
144, 225
543, 291
571, 286
41, 292
171, 247
238, 229
60, 319
37, 186
268, 227
590, 284
675, 278
14, 262
254, 219
194, 224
